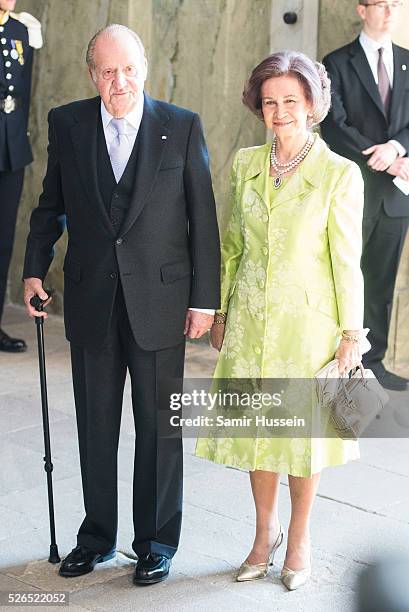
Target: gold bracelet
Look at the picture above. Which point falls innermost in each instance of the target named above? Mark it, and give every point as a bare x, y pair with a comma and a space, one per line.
220, 318
349, 338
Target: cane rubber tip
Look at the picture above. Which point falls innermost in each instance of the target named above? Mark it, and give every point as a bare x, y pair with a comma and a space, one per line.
54, 556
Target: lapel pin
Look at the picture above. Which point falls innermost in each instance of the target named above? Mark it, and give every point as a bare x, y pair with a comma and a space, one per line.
403, 66
164, 137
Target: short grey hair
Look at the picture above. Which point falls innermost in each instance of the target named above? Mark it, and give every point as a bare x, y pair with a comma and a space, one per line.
111, 30
312, 76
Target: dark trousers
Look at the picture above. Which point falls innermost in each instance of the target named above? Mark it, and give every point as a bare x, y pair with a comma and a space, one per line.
11, 186
383, 240
99, 377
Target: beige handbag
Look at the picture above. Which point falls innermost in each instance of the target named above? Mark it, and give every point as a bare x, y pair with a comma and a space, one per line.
353, 402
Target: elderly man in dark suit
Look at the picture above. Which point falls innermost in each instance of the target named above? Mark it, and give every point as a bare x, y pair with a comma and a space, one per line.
369, 123
141, 272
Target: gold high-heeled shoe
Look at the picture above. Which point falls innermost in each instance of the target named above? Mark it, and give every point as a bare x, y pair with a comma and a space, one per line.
293, 579
249, 571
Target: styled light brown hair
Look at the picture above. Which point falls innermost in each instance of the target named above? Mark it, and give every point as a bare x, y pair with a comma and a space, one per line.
312, 76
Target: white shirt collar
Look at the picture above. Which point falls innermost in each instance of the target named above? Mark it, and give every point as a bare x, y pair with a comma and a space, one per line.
372, 46
134, 118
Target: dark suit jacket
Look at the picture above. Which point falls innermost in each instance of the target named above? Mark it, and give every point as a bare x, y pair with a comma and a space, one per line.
15, 149
357, 120
167, 256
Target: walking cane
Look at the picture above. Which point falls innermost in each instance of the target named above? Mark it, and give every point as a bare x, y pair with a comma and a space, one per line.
37, 303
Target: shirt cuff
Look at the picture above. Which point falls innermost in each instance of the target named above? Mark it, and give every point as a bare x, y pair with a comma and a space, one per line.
209, 311
400, 148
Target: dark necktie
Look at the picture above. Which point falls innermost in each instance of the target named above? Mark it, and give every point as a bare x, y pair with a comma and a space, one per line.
384, 85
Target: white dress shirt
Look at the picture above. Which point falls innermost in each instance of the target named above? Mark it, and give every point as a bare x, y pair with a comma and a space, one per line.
371, 48
132, 124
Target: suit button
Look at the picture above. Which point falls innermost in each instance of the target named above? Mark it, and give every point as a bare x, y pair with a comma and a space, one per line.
113, 275
264, 250
116, 196
257, 350
119, 241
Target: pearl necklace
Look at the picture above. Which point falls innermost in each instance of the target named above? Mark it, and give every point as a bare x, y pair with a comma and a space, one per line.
280, 168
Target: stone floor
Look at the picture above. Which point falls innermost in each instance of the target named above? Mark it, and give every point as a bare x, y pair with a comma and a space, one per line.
361, 512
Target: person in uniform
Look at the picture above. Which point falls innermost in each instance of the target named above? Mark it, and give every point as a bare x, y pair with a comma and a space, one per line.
19, 34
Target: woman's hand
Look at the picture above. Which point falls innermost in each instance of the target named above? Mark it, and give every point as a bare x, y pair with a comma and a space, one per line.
217, 331
349, 356
217, 336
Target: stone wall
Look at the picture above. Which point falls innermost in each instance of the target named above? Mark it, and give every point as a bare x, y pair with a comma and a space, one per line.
199, 54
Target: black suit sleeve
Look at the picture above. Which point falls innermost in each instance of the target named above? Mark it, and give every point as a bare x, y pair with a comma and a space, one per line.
403, 138
341, 137
203, 228
45, 227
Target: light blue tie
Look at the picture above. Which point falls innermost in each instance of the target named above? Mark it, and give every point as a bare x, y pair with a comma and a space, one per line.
119, 149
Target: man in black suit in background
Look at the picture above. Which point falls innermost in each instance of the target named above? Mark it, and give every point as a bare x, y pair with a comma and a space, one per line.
141, 272
369, 123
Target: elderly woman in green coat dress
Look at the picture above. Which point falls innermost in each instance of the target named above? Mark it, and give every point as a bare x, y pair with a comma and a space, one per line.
292, 293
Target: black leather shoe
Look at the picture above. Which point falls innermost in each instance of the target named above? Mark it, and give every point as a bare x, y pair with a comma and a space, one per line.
82, 560
388, 380
11, 345
151, 568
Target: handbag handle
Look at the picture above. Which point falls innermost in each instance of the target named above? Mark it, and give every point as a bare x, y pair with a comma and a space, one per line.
343, 380
361, 368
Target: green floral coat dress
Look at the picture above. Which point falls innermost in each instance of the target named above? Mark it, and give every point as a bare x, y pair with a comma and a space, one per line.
291, 282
